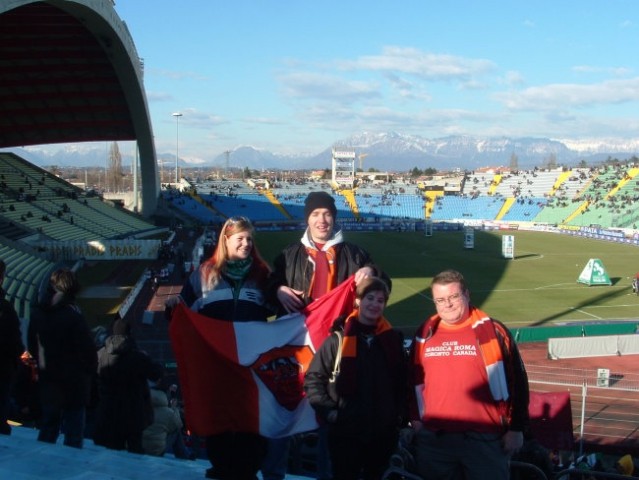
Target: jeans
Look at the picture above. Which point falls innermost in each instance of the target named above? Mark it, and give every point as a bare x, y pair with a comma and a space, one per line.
275, 462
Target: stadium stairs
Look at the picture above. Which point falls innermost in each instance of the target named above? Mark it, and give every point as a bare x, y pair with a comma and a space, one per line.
22, 457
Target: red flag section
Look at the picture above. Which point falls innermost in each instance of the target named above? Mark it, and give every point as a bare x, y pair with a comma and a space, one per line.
248, 376
323, 311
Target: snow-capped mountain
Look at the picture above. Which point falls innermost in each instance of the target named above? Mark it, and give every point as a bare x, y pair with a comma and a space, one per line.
390, 151
404, 152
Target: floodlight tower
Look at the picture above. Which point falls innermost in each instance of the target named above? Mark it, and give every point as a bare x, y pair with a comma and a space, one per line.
177, 116
227, 154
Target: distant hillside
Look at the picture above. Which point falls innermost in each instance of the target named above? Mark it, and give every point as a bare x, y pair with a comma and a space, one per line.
384, 151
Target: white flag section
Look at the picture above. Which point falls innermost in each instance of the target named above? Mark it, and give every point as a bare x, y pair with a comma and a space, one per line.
278, 372
253, 338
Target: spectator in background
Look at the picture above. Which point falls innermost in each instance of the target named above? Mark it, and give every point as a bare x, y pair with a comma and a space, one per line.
166, 419
124, 407
176, 441
11, 348
303, 272
626, 466
468, 427
60, 341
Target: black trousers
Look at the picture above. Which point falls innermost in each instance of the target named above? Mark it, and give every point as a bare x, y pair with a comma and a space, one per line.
236, 455
355, 457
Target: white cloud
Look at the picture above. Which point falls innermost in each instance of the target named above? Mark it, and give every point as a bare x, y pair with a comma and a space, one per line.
425, 65
615, 71
264, 121
153, 97
192, 117
558, 96
513, 78
307, 85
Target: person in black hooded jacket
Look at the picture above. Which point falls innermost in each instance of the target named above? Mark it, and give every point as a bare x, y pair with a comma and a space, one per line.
60, 341
11, 348
124, 407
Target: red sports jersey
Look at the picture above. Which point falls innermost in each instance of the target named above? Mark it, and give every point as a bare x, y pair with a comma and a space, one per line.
456, 394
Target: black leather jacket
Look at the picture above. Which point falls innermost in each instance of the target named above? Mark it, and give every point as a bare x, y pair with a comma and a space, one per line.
293, 268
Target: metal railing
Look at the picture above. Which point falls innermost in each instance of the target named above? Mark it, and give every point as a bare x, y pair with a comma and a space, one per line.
615, 390
552, 375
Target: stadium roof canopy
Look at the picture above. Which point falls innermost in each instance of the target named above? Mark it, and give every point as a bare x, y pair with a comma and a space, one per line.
69, 72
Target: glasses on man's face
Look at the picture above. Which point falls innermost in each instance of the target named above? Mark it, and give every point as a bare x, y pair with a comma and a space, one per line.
448, 300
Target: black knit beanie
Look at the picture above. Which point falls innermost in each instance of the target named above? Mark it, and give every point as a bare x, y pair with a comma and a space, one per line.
319, 200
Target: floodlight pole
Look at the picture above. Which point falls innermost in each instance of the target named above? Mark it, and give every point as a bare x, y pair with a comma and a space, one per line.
177, 116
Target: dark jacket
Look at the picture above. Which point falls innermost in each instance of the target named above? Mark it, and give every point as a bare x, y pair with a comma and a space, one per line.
11, 346
124, 405
378, 402
293, 269
228, 300
61, 342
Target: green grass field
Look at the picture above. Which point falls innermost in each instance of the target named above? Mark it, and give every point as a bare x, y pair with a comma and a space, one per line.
538, 287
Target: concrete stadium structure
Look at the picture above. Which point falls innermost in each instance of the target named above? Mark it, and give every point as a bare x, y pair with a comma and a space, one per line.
70, 72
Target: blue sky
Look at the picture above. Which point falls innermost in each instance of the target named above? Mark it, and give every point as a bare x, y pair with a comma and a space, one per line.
297, 76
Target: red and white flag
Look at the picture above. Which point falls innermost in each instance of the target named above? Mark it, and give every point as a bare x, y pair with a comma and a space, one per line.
248, 376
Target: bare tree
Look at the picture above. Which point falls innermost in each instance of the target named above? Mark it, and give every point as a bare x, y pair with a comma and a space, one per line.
115, 175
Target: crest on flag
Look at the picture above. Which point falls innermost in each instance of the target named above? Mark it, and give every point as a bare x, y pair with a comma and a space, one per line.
282, 371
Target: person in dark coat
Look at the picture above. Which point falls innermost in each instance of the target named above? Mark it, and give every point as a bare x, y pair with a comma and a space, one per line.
365, 404
11, 347
60, 341
124, 407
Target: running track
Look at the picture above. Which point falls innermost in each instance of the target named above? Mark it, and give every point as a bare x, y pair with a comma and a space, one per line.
611, 415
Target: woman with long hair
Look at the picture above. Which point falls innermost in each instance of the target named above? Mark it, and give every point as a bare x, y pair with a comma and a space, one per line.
230, 286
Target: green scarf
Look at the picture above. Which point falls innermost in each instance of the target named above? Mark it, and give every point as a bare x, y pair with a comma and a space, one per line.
237, 270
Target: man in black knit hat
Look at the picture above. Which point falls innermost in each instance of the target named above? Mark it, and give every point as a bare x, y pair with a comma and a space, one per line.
320, 261
303, 272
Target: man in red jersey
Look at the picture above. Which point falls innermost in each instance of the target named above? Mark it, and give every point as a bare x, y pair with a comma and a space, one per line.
470, 402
